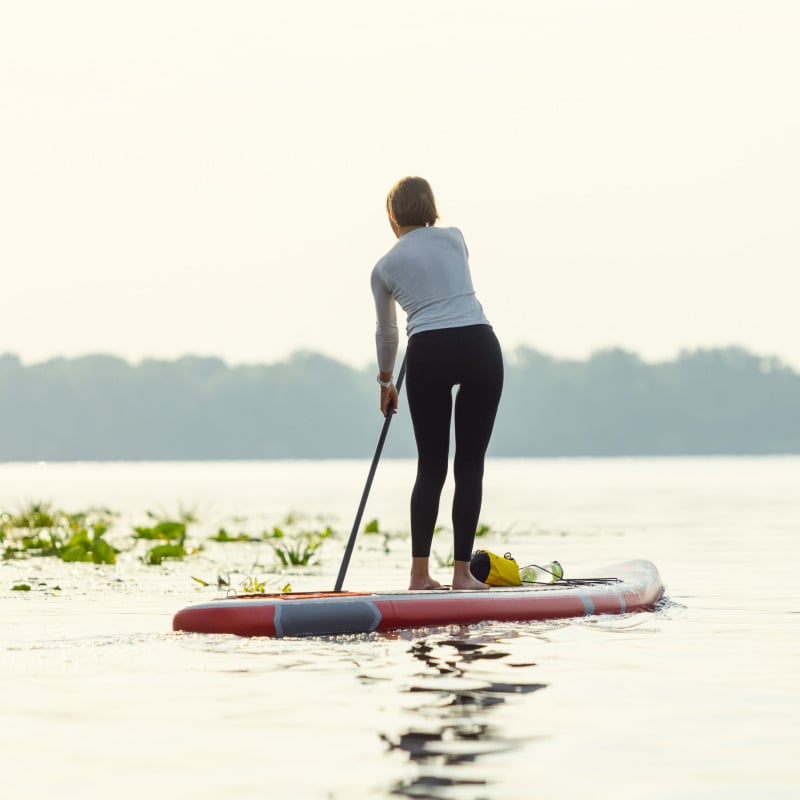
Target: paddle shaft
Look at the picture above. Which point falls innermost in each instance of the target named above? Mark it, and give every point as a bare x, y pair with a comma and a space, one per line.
348, 551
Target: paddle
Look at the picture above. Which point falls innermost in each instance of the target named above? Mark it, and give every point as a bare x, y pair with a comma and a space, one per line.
354, 533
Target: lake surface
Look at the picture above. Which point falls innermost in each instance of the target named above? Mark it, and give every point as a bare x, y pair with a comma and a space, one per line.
698, 699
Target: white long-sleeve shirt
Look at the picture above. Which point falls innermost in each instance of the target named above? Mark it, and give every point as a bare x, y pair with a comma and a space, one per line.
427, 274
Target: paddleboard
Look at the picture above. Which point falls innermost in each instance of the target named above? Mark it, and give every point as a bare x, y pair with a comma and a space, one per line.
625, 587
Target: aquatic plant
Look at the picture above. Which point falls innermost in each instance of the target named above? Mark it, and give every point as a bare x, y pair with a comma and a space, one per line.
172, 534
222, 581
185, 515
302, 551
35, 515
82, 546
223, 536
156, 555
372, 527
166, 530
42, 542
298, 554
252, 585
21, 587
42, 530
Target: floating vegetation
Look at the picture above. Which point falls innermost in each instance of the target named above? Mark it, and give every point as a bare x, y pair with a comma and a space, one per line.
373, 528
166, 530
250, 585
21, 587
82, 546
36, 515
223, 536
185, 515
172, 534
155, 555
303, 551
41, 530
253, 586
298, 554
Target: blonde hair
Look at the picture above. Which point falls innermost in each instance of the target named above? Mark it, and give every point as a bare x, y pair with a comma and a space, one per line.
410, 202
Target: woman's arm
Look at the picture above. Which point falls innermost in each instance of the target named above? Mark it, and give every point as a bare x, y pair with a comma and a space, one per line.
386, 335
386, 341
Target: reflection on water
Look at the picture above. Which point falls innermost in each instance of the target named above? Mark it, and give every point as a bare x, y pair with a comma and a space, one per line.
452, 716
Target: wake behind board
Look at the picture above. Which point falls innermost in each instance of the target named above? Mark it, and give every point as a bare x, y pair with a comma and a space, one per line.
638, 587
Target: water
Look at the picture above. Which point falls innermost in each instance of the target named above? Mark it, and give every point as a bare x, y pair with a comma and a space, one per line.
696, 700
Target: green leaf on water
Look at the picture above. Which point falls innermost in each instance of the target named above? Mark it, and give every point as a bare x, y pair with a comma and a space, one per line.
224, 536
199, 580
75, 553
82, 547
372, 527
168, 530
103, 552
157, 554
252, 585
21, 587
35, 515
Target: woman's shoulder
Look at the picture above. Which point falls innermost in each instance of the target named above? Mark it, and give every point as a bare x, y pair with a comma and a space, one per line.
451, 232
447, 230
439, 232
456, 238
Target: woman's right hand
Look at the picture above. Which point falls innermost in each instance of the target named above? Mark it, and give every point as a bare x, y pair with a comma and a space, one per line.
389, 399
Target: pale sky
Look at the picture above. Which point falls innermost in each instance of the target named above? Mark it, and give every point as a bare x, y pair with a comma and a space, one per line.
179, 176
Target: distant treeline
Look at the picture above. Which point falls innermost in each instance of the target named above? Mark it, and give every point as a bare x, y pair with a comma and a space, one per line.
100, 407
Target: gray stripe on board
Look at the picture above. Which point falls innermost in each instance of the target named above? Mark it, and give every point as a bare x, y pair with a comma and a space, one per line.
318, 619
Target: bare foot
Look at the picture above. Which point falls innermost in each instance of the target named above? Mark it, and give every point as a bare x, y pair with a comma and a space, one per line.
469, 583
424, 583
464, 579
421, 576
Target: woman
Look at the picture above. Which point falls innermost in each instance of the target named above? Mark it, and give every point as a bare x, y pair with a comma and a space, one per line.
450, 344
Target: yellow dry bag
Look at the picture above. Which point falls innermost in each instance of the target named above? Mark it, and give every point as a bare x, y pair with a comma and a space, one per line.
495, 570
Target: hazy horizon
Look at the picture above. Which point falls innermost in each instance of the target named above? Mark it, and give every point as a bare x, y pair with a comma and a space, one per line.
198, 178
509, 354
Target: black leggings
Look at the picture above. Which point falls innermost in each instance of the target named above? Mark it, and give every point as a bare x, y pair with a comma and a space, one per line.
436, 361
